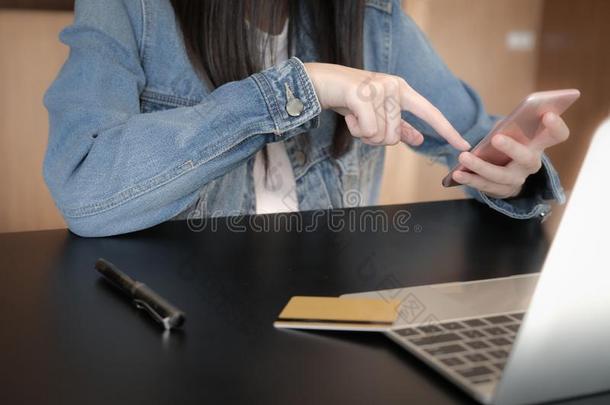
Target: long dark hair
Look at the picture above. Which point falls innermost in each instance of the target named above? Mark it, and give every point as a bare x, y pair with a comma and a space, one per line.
224, 46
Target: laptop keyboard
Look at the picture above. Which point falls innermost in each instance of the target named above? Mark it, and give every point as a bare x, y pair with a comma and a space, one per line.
475, 349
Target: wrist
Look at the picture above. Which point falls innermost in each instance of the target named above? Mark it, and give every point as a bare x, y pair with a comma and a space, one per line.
311, 70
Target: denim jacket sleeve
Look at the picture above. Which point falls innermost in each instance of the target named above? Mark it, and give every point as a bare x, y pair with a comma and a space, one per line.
112, 169
414, 59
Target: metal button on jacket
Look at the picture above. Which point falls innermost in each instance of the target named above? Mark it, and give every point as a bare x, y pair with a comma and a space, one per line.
294, 106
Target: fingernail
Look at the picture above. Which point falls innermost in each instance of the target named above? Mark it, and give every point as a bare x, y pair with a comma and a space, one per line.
501, 140
458, 176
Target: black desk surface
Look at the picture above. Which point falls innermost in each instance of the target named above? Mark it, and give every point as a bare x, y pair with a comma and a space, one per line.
68, 337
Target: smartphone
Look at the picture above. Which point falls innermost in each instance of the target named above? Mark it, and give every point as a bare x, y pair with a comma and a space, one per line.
522, 125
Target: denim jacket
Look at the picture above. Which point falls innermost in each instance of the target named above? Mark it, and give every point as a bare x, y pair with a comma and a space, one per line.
137, 138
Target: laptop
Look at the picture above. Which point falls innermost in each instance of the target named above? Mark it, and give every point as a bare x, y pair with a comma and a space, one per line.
529, 338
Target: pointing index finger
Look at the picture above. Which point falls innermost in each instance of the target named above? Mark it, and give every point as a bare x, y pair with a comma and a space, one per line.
418, 105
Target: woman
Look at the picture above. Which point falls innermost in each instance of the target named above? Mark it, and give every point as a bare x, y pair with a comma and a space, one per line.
165, 108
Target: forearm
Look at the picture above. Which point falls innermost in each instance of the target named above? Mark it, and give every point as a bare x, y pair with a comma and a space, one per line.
146, 168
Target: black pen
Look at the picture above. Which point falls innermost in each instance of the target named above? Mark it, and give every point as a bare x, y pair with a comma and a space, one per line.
144, 298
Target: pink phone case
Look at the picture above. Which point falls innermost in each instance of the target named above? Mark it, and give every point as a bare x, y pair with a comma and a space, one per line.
522, 124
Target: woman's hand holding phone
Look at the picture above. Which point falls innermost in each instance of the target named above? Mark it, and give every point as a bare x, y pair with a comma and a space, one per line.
372, 102
507, 181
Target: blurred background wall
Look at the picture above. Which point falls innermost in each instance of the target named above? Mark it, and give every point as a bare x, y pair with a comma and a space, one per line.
504, 48
30, 57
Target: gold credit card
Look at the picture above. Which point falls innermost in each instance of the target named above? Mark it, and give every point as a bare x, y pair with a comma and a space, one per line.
338, 313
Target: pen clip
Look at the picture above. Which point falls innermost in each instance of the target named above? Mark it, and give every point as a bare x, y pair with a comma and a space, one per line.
156, 316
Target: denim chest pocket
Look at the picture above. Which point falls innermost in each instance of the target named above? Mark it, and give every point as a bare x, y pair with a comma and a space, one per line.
361, 170
368, 152
147, 106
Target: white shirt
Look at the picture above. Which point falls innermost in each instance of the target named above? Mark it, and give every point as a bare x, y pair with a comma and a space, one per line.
275, 187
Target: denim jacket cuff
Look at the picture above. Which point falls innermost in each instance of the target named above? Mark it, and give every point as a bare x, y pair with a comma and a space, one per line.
286, 83
531, 206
